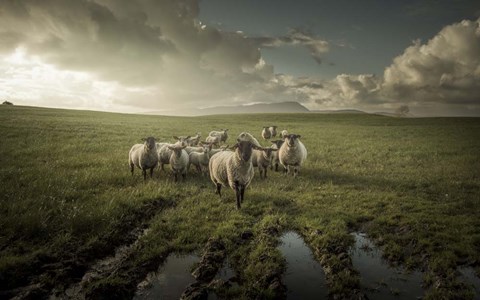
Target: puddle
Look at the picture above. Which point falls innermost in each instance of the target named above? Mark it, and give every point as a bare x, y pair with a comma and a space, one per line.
381, 280
471, 279
226, 274
304, 276
170, 280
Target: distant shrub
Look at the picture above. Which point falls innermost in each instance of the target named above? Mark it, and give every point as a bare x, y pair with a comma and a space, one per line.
7, 103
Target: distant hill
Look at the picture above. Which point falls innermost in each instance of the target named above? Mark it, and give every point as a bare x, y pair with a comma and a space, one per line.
339, 111
282, 107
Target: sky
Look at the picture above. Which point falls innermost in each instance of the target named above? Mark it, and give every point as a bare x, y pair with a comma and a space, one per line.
145, 55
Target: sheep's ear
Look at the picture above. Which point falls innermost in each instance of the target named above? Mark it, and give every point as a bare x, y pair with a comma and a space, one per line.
274, 149
298, 136
175, 137
226, 129
187, 137
234, 147
238, 140
143, 139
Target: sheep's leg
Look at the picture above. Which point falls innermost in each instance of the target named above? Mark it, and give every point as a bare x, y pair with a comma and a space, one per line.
276, 167
219, 189
132, 167
242, 192
176, 176
184, 176
151, 172
238, 194
144, 172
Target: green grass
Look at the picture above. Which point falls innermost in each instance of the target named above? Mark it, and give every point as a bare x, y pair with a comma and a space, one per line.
66, 190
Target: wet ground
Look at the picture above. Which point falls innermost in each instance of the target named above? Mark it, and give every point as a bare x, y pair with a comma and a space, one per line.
304, 276
378, 278
470, 278
171, 279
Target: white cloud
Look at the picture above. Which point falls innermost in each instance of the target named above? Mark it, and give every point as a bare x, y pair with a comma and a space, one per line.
445, 69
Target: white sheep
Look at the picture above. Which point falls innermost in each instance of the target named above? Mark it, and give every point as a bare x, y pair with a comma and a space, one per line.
245, 136
284, 134
223, 134
200, 160
292, 153
222, 148
261, 158
214, 140
275, 160
179, 161
194, 140
273, 131
266, 134
234, 169
164, 152
144, 156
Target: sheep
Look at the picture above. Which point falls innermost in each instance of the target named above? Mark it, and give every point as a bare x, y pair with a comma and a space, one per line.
275, 161
292, 153
273, 131
223, 134
245, 136
164, 152
214, 140
266, 134
144, 156
222, 148
182, 140
261, 158
200, 160
233, 168
179, 161
283, 134
194, 140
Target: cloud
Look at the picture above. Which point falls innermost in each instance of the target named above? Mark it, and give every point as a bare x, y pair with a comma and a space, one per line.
297, 37
445, 69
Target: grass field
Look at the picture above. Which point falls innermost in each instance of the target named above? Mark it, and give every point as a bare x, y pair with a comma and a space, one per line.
68, 199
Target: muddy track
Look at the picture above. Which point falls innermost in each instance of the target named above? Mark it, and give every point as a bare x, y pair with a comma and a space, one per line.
64, 271
342, 279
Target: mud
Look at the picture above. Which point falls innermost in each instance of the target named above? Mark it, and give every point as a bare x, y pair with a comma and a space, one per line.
170, 280
378, 279
52, 280
470, 278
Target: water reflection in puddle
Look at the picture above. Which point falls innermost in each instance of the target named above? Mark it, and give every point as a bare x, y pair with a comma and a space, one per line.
381, 280
471, 279
170, 280
304, 277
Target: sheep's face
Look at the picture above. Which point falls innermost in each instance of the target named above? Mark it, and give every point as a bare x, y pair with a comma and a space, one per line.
278, 143
267, 152
149, 143
182, 140
291, 139
243, 149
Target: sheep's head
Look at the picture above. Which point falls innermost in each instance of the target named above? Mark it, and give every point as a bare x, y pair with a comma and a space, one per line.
243, 149
291, 139
177, 149
267, 152
182, 140
278, 143
149, 143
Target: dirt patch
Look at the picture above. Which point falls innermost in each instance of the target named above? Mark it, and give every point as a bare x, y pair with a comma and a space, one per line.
76, 262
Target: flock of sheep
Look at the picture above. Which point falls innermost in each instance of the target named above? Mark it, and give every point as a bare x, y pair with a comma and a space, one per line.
228, 166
